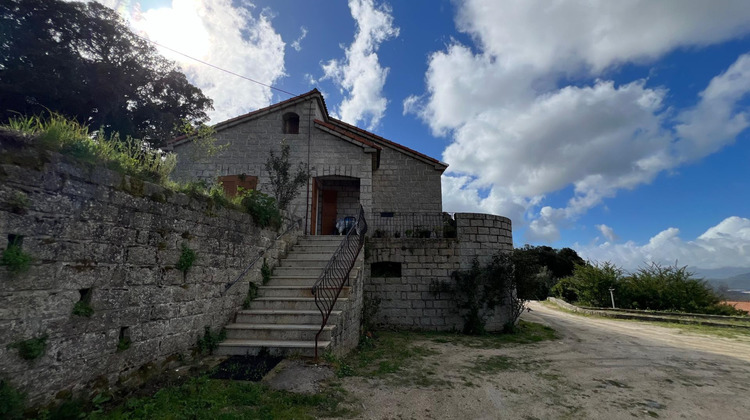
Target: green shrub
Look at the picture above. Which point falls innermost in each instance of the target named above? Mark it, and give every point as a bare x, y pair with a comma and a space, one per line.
655, 287
12, 402
261, 207
82, 308
480, 290
669, 288
130, 156
187, 258
19, 202
15, 258
589, 284
30, 349
208, 343
124, 343
252, 293
265, 272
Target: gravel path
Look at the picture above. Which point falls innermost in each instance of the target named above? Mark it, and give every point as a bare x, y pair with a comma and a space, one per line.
598, 369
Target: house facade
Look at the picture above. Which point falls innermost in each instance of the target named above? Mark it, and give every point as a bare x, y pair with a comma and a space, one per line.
412, 246
348, 166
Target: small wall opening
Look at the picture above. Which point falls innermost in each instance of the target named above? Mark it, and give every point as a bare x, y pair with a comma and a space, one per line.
85, 295
291, 123
15, 240
385, 269
124, 342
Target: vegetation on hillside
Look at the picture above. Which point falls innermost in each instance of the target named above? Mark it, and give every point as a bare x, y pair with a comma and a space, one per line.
653, 287
88, 66
137, 158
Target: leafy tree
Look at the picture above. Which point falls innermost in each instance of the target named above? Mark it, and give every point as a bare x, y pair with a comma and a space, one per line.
589, 285
538, 268
285, 186
82, 61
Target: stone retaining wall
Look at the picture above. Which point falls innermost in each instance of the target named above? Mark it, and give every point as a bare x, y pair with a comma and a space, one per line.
119, 237
409, 301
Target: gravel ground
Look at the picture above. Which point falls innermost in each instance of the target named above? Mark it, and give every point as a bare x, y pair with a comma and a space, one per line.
597, 369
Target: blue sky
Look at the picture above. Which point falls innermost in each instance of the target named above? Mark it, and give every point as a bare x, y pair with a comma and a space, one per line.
616, 128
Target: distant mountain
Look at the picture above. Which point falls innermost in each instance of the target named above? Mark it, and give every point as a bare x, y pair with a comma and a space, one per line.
718, 273
740, 281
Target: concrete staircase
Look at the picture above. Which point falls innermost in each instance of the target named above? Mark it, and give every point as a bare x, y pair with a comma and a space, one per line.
283, 318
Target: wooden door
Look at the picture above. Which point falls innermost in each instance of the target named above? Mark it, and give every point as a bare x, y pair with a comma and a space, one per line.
328, 213
314, 208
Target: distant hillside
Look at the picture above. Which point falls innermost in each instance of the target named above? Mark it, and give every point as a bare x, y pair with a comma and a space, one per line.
740, 281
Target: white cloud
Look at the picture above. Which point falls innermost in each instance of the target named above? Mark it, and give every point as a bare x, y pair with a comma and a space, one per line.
716, 121
608, 232
596, 34
296, 43
360, 74
725, 245
218, 32
520, 128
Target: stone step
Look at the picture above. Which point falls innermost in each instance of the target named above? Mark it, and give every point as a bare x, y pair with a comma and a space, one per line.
319, 256
275, 347
293, 262
283, 332
330, 241
297, 303
314, 249
286, 316
302, 281
297, 271
293, 291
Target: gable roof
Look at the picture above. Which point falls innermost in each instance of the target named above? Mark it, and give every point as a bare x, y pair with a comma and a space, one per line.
315, 93
392, 144
341, 128
348, 134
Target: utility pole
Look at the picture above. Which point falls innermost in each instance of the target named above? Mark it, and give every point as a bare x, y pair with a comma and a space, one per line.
612, 295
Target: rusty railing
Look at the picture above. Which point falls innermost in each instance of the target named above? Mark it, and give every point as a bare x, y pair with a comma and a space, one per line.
327, 288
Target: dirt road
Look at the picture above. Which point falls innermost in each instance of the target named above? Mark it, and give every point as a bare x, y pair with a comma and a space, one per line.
597, 369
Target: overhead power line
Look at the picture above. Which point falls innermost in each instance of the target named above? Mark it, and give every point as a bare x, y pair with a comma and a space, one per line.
216, 67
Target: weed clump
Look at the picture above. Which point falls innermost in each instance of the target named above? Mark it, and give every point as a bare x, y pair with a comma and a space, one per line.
252, 293
265, 272
12, 402
19, 202
82, 308
208, 343
15, 258
187, 258
30, 349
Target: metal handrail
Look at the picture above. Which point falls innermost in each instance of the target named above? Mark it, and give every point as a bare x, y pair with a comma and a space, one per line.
260, 254
413, 225
327, 288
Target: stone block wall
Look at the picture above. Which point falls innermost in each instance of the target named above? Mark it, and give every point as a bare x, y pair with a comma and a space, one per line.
409, 301
251, 141
91, 228
346, 334
405, 184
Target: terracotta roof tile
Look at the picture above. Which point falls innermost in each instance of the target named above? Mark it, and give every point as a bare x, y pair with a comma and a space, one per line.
384, 140
348, 134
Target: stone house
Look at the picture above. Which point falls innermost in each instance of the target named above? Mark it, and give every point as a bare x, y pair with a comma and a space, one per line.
408, 251
112, 243
349, 166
